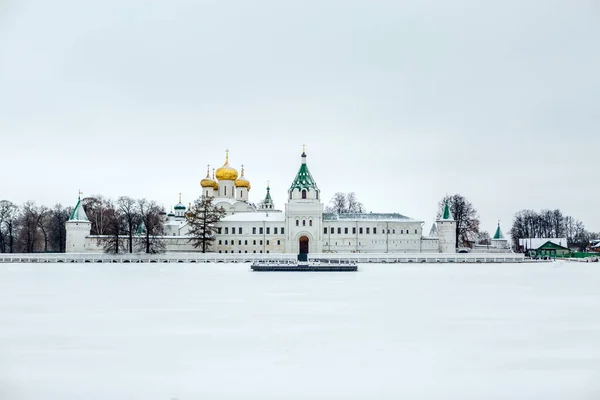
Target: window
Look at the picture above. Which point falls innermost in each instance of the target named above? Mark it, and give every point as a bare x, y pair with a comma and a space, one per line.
240, 230
310, 223
268, 242
260, 230
254, 230
325, 230
219, 231
220, 242
226, 231
303, 193
368, 230
275, 231
339, 231
282, 231
402, 231
239, 251
261, 251
415, 231
240, 197
239, 242
254, 251
354, 230
303, 222
261, 243
233, 230
374, 231
360, 230
331, 230
245, 251
254, 242
317, 195
268, 231
246, 242
278, 242
226, 242
225, 190
297, 223
346, 230
394, 231
219, 251
290, 195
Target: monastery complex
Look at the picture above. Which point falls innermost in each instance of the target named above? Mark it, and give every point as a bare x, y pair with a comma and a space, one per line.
302, 227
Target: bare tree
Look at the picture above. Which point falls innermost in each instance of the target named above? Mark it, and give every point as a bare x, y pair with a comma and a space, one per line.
465, 215
131, 218
113, 230
202, 218
57, 231
43, 223
152, 221
354, 206
29, 225
342, 203
96, 208
9, 217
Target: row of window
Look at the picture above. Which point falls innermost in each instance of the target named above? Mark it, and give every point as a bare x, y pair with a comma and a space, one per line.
260, 230
375, 242
239, 251
360, 231
232, 242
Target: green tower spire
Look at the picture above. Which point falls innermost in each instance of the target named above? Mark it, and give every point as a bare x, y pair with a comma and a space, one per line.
498, 234
447, 214
304, 179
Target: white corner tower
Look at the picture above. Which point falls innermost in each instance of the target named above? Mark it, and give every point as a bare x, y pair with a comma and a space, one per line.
78, 228
303, 214
446, 231
499, 241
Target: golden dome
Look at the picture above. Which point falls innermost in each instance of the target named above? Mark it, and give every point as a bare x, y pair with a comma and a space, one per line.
208, 182
226, 172
242, 181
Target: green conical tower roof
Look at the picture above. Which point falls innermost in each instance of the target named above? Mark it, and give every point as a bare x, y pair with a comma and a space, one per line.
268, 199
304, 179
498, 234
78, 213
447, 214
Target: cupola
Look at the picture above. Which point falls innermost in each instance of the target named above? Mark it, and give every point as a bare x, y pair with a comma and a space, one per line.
242, 181
226, 172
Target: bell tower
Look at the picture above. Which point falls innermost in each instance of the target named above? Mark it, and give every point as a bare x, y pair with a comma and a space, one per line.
304, 213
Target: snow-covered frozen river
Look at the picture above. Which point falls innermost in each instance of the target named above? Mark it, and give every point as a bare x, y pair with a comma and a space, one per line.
219, 331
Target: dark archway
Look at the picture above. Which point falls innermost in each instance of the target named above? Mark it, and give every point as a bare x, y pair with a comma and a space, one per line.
303, 242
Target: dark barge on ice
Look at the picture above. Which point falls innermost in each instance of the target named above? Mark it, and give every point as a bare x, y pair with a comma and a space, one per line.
303, 265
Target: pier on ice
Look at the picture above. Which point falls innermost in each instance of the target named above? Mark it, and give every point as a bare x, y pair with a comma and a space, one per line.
250, 258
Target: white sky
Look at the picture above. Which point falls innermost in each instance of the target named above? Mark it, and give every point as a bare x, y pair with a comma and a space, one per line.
401, 102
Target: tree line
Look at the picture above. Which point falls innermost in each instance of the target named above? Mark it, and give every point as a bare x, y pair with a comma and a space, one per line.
550, 224
32, 228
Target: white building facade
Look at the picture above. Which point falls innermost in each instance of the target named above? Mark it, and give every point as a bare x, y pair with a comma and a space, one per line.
301, 228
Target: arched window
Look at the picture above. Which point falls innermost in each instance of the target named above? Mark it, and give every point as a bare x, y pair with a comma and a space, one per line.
225, 191
310, 222
303, 222
290, 195
304, 193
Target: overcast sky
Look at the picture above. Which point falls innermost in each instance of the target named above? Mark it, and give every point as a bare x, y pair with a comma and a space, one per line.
401, 102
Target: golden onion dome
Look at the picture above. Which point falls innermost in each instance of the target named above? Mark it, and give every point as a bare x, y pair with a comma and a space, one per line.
242, 181
226, 172
208, 182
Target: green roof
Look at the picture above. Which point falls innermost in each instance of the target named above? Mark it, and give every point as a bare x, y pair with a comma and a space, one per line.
78, 213
304, 179
179, 206
447, 214
498, 234
268, 199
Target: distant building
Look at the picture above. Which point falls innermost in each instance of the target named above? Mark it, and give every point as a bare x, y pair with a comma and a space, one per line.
302, 227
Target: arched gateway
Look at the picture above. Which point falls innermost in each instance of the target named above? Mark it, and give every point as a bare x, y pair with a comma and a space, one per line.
303, 247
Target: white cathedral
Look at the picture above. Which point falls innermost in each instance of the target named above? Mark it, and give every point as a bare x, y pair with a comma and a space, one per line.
301, 228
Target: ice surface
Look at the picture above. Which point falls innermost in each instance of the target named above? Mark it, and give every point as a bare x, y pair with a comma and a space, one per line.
219, 331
